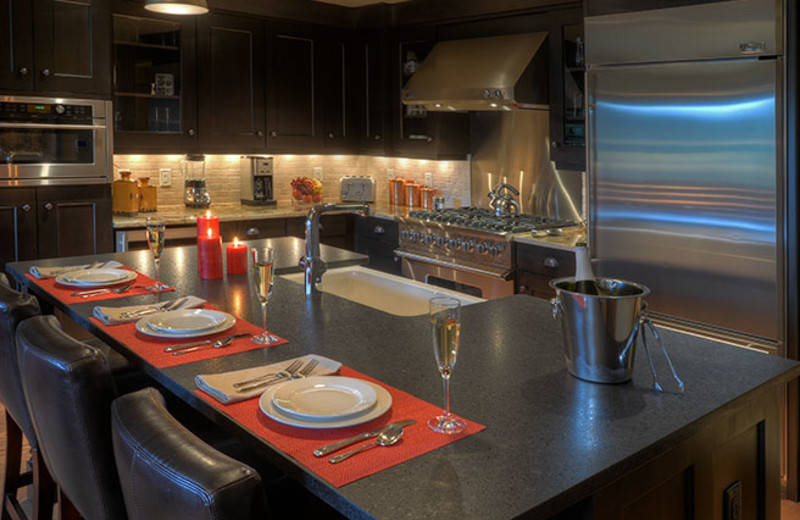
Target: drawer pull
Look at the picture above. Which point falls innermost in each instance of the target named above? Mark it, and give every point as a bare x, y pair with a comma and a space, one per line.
253, 231
26, 207
550, 262
379, 230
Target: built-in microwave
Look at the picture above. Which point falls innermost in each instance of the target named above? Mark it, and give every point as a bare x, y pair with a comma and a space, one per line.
54, 141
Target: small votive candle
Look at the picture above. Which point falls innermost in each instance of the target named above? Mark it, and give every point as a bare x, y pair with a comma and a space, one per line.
209, 255
207, 222
236, 257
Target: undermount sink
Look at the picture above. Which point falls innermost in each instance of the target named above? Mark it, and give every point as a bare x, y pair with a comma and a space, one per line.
385, 292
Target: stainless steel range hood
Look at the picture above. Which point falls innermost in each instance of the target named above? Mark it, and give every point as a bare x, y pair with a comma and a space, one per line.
497, 73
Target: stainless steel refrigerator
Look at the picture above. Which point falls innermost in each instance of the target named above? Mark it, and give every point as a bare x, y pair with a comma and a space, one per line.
685, 162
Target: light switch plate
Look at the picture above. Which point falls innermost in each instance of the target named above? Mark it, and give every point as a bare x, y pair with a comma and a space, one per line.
428, 179
165, 177
389, 173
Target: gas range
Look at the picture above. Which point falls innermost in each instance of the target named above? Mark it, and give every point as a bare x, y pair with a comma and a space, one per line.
469, 235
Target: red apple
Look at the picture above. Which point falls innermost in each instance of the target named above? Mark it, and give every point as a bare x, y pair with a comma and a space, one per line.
317, 197
306, 198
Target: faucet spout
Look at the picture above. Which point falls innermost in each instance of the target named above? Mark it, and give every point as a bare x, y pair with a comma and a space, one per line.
311, 261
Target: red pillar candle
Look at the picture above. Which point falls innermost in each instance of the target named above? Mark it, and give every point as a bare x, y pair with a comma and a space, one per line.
205, 223
236, 256
209, 255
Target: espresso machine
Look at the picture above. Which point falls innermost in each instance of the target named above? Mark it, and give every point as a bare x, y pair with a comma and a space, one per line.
193, 167
257, 188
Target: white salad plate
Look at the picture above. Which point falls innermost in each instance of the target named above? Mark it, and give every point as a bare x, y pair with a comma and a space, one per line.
187, 321
324, 397
143, 325
382, 405
95, 277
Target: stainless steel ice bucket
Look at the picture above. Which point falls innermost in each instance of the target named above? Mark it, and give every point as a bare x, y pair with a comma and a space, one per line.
600, 330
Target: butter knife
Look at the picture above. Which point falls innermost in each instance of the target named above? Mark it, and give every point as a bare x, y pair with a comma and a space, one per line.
330, 448
203, 342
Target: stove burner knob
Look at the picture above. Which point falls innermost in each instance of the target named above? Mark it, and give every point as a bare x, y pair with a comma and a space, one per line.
404, 235
430, 238
494, 250
470, 246
483, 247
452, 243
416, 237
441, 241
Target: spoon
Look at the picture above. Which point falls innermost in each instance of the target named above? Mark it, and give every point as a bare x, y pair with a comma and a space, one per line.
385, 438
220, 343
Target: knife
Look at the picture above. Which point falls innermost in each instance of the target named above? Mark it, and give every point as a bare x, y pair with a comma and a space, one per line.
203, 342
330, 448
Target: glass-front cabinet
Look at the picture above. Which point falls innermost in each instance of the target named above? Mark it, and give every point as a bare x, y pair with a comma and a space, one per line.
574, 67
154, 100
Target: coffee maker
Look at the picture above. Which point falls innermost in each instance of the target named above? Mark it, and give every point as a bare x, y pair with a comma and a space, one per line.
257, 189
193, 167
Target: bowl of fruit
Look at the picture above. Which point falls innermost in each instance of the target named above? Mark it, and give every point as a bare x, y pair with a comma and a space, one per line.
306, 190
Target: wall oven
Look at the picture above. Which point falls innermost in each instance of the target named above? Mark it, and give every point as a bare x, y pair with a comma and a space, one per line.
47, 141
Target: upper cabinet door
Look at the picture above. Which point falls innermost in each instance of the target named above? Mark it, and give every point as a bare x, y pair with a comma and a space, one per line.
155, 82
293, 101
231, 83
335, 81
371, 107
16, 45
71, 46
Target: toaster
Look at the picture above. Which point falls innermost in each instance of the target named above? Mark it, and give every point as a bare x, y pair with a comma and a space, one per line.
356, 188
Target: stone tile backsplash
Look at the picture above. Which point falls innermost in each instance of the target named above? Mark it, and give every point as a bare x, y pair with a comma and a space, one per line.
223, 178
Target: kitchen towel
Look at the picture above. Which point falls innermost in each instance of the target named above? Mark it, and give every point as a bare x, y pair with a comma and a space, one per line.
220, 386
151, 349
114, 315
300, 443
51, 272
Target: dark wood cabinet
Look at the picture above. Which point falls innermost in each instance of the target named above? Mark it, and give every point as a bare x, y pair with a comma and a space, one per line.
56, 46
335, 72
293, 100
417, 132
371, 111
537, 265
53, 221
252, 229
231, 83
155, 82
334, 230
74, 220
17, 225
378, 238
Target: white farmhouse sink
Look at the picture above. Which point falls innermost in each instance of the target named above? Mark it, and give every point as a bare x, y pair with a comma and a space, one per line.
385, 292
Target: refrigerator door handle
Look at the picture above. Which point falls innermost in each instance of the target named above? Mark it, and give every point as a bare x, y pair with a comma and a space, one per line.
590, 85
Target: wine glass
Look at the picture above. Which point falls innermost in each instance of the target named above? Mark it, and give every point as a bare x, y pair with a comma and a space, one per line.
263, 278
155, 241
445, 314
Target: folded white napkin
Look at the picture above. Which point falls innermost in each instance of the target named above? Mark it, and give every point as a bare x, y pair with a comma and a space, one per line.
52, 272
220, 386
112, 315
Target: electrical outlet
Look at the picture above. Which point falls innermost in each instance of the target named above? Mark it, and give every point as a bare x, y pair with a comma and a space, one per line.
165, 177
390, 173
317, 173
428, 179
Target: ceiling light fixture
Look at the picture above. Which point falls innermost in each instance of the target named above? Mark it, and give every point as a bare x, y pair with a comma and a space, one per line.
183, 7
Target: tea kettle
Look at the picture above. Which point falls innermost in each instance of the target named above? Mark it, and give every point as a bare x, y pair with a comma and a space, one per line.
502, 202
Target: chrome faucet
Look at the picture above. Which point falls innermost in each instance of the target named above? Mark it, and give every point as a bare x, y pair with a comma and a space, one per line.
313, 264
504, 203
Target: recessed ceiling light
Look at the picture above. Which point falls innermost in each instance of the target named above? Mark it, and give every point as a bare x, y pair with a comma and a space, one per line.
181, 7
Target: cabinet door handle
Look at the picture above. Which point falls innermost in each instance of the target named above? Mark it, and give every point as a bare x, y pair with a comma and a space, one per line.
260, 133
420, 137
550, 262
331, 136
23, 71
26, 207
523, 289
253, 231
48, 206
45, 72
191, 132
274, 133
379, 230
377, 137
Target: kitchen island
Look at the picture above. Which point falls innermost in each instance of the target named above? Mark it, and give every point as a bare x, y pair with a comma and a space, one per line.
554, 446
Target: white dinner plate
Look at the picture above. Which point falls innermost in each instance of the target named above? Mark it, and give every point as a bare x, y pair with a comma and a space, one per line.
187, 321
143, 326
95, 277
324, 397
382, 405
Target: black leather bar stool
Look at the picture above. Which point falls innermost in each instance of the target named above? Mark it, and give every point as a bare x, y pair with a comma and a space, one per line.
168, 472
69, 389
15, 307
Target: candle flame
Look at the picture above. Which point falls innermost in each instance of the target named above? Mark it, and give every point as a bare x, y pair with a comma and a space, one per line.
235, 241
210, 232
208, 213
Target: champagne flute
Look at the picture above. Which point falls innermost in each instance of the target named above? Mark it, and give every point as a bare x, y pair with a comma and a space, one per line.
263, 278
445, 314
155, 241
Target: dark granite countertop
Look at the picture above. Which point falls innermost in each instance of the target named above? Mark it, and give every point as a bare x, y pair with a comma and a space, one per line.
551, 439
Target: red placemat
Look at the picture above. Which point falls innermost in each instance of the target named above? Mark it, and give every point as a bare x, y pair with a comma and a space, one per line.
299, 443
64, 293
152, 349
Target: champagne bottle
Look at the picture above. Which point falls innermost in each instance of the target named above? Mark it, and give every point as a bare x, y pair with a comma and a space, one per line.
585, 281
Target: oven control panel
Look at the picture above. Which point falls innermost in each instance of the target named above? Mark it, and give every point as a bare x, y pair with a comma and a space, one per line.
456, 243
56, 113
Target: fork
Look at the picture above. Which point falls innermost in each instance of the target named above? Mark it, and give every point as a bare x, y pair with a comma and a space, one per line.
286, 372
160, 307
294, 375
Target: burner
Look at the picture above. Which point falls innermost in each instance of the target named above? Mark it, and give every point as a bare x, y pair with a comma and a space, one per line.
485, 220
